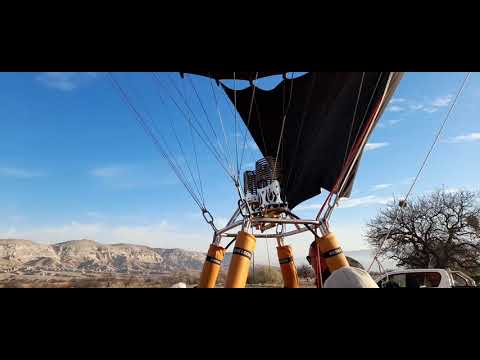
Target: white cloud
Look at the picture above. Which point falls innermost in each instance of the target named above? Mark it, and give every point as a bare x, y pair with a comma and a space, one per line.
416, 107
19, 173
220, 222
65, 81
435, 104
16, 218
475, 136
395, 108
388, 123
408, 181
160, 234
442, 101
451, 190
109, 171
124, 177
374, 146
308, 207
364, 201
432, 106
347, 203
381, 186
430, 109
94, 214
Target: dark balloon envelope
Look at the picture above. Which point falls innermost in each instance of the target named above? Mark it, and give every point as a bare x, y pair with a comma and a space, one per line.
319, 129
241, 75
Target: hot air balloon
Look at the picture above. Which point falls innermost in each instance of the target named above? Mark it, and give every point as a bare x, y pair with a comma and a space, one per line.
311, 131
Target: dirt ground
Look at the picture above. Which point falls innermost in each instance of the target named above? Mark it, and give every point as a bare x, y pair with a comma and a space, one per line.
76, 280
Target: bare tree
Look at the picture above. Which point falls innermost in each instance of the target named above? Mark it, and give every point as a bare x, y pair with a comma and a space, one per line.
306, 272
439, 230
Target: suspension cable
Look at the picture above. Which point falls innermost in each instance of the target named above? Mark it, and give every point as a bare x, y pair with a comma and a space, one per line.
209, 146
355, 152
427, 157
164, 148
176, 162
213, 149
182, 151
284, 117
195, 153
235, 122
149, 132
302, 122
353, 155
196, 162
207, 117
248, 121
227, 155
354, 118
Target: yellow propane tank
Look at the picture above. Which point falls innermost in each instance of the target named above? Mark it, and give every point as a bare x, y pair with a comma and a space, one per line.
240, 263
332, 252
287, 265
211, 267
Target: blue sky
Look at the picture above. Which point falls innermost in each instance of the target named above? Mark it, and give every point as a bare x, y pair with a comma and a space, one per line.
75, 164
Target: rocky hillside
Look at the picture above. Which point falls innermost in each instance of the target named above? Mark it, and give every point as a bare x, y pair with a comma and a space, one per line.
89, 256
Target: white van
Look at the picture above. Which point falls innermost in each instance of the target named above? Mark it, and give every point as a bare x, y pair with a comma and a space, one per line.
424, 278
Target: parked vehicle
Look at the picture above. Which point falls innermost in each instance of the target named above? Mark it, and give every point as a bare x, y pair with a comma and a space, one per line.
425, 278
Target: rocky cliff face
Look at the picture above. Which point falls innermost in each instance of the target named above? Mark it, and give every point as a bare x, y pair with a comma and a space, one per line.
90, 256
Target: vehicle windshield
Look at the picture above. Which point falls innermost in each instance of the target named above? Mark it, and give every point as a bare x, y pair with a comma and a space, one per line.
461, 280
411, 280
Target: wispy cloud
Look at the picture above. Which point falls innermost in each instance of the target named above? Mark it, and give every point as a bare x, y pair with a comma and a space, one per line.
308, 207
109, 171
159, 234
407, 181
416, 107
395, 108
393, 122
451, 190
375, 146
16, 218
381, 187
94, 214
132, 177
442, 101
65, 81
428, 107
475, 136
19, 173
221, 222
346, 203
364, 201
388, 123
394, 105
434, 105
